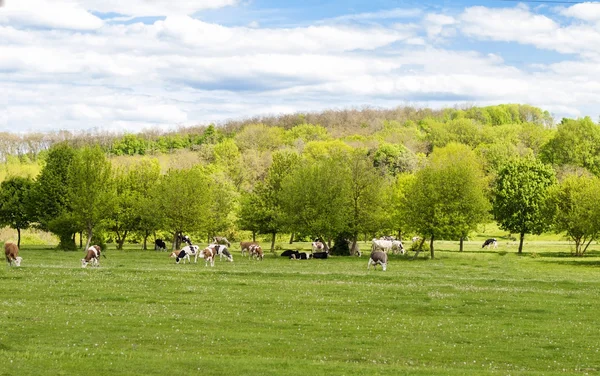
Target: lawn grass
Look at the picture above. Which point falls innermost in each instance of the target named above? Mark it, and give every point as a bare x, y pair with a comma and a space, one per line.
470, 313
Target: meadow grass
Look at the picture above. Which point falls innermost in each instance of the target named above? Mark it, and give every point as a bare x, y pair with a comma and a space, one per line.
470, 313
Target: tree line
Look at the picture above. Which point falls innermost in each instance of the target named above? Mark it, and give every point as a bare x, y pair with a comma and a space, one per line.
438, 177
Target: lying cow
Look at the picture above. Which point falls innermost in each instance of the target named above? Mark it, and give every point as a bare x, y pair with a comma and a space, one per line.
320, 255
288, 253
490, 243
300, 256
221, 240
378, 257
221, 250
185, 253
256, 251
245, 246
92, 256
209, 256
160, 244
12, 254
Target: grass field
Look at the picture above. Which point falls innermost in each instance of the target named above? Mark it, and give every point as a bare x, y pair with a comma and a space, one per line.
471, 313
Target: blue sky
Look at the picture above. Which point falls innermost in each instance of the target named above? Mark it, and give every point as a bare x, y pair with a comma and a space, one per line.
119, 66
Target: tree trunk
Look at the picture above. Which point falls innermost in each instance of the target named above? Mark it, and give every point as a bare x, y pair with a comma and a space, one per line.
419, 248
145, 242
254, 236
19, 237
122, 241
354, 245
522, 236
292, 238
80, 239
273, 242
400, 235
89, 236
431, 247
175, 242
461, 244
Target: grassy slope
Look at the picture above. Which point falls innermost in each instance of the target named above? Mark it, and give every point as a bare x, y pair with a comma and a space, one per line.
474, 313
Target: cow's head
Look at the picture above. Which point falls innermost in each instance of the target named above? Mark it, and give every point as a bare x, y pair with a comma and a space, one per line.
174, 254
18, 261
384, 266
83, 263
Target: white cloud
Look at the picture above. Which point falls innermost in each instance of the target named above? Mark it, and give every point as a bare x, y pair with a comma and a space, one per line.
588, 11
60, 14
154, 7
437, 24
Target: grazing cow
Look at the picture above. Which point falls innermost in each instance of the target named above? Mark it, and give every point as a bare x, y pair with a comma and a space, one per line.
490, 243
209, 256
317, 246
221, 240
256, 251
185, 253
221, 250
245, 246
12, 254
387, 245
378, 257
159, 244
92, 255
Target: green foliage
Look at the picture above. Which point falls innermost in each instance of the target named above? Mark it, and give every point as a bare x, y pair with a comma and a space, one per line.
519, 197
393, 159
574, 205
129, 144
306, 133
259, 137
576, 142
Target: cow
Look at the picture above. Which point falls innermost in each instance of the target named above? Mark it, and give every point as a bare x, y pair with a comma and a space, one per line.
320, 255
185, 253
209, 256
245, 246
256, 251
221, 250
295, 255
159, 245
490, 243
184, 238
387, 245
92, 255
221, 240
288, 253
317, 246
378, 257
11, 250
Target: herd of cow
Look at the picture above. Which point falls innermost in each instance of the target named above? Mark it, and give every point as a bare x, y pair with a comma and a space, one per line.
219, 247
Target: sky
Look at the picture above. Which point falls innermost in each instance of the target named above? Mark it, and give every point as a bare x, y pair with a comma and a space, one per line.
130, 66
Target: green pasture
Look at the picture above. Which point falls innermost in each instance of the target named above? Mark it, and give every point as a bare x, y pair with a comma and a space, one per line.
472, 313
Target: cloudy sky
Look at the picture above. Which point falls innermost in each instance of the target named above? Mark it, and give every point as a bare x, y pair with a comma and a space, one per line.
130, 65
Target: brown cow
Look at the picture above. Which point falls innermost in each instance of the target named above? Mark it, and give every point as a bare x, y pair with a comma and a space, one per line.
245, 246
256, 251
209, 256
12, 254
92, 255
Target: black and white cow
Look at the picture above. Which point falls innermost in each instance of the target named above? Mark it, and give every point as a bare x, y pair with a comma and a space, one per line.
185, 253
160, 245
490, 243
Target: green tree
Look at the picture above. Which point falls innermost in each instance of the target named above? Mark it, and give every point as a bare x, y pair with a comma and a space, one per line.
519, 195
91, 189
51, 195
143, 177
315, 198
574, 205
182, 199
261, 210
446, 198
15, 204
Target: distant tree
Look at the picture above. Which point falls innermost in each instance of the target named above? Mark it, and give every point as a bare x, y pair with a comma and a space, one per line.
447, 197
259, 137
520, 193
16, 204
91, 189
574, 205
142, 177
394, 159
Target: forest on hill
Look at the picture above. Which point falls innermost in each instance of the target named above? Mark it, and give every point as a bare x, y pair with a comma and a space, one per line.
333, 175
